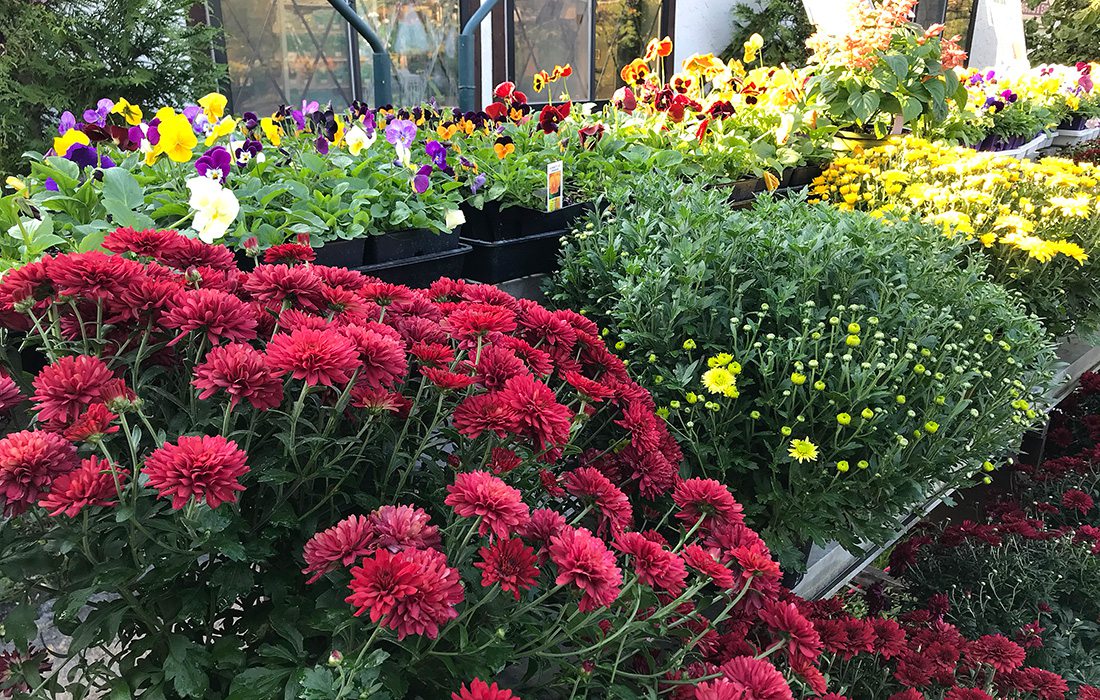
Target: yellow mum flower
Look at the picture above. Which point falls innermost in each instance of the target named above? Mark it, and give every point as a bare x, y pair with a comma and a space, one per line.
802, 450
718, 380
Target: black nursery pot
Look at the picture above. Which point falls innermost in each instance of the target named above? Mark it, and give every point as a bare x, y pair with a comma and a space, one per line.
1074, 123
803, 175
745, 190
497, 261
493, 224
410, 243
419, 271
341, 253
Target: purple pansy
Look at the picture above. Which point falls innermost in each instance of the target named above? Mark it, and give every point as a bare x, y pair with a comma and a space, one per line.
322, 145
84, 156
249, 150
68, 121
477, 183
421, 181
51, 184
214, 164
401, 131
437, 152
98, 115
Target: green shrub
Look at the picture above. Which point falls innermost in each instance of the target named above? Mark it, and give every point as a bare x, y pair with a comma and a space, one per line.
824, 318
1067, 32
784, 26
61, 56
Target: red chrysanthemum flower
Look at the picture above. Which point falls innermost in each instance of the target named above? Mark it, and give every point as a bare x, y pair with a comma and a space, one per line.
611, 503
997, 651
756, 679
706, 498
803, 641
147, 298
10, 395
187, 253
93, 483
471, 321
654, 565
92, 275
29, 462
380, 400
480, 690
584, 561
510, 563
485, 413
590, 388
1045, 685
1075, 499
433, 354
63, 389
543, 525
496, 365
537, 361
24, 285
539, 415
1088, 692
288, 254
315, 356
543, 327
382, 356
411, 592
404, 527
704, 562
146, 244
204, 467
890, 639
549, 482
217, 314
908, 694
276, 285
447, 380
479, 494
291, 320
340, 545
502, 461
385, 293
240, 371
92, 425
958, 693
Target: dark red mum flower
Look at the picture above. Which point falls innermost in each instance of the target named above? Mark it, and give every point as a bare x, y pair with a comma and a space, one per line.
276, 285
958, 693
204, 467
187, 253
382, 355
585, 561
510, 563
485, 413
1075, 499
996, 651
611, 503
147, 243
315, 356
803, 642
412, 592
479, 494
654, 565
704, 562
63, 389
10, 395
92, 275
288, 254
908, 694
472, 321
480, 690
29, 462
706, 498
218, 315
447, 380
756, 679
404, 527
539, 415
340, 545
93, 425
94, 483
240, 371
543, 525
1088, 692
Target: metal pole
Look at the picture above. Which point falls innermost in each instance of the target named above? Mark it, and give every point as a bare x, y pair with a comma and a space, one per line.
467, 81
383, 89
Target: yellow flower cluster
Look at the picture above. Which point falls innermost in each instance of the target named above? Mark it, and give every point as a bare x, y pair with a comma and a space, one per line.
721, 378
1046, 208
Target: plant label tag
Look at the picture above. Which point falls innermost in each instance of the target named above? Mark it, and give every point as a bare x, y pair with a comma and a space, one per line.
555, 185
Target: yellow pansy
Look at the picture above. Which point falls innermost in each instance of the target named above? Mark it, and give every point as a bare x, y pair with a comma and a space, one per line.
213, 106
272, 131
177, 137
130, 112
70, 138
222, 128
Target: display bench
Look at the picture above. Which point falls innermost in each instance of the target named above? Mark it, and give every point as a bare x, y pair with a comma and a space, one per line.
831, 567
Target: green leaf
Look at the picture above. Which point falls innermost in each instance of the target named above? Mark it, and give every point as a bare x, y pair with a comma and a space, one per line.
119, 690
20, 626
911, 107
863, 105
183, 669
122, 196
257, 684
898, 63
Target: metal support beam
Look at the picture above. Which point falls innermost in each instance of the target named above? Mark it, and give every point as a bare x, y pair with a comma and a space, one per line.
383, 78
467, 80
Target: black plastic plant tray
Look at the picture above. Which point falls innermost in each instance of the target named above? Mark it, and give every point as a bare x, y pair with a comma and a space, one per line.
421, 270
497, 261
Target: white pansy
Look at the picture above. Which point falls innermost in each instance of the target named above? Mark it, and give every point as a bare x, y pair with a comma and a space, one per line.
455, 218
215, 208
357, 139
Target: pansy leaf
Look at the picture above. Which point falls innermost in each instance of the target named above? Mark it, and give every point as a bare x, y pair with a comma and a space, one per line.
20, 626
